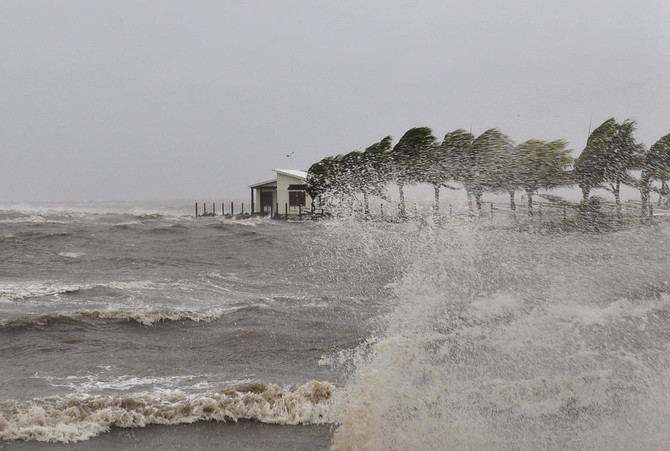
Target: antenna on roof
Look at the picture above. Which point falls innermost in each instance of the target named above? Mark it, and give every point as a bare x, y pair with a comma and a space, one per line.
289, 159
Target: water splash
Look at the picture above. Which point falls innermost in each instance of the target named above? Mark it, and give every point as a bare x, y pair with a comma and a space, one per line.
500, 339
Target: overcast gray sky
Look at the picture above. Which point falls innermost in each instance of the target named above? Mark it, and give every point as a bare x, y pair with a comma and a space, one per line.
138, 100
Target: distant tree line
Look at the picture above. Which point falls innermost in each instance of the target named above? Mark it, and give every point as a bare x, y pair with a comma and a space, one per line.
492, 162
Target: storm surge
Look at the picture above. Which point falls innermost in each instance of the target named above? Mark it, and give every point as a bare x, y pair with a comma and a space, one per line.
501, 339
74, 418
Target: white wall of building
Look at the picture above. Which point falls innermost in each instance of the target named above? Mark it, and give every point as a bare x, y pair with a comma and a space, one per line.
283, 182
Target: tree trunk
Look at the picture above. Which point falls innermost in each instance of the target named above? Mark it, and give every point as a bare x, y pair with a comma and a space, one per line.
616, 190
644, 197
664, 191
366, 205
530, 203
585, 193
478, 202
469, 195
436, 206
401, 206
644, 194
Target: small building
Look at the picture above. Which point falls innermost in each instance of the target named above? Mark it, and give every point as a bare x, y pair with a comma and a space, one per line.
284, 195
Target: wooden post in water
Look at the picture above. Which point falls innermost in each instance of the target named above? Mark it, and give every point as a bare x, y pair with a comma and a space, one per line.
243, 208
223, 210
196, 209
232, 209
214, 208
204, 208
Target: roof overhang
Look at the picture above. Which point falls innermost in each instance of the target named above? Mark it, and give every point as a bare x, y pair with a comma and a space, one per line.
295, 173
267, 184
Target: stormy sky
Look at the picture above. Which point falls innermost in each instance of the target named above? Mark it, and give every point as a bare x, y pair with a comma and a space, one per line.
140, 100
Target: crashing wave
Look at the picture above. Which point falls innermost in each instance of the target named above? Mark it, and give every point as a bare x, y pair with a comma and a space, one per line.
26, 291
69, 419
144, 316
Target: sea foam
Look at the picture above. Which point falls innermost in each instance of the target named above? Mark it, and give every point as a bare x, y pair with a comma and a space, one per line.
75, 418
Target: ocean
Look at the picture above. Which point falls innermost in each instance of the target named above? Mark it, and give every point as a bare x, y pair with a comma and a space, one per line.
128, 326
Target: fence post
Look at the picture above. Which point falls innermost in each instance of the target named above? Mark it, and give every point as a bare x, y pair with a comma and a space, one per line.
243, 208
214, 208
232, 209
204, 208
196, 209
223, 210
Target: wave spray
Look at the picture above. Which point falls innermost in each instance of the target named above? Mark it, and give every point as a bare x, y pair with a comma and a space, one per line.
501, 339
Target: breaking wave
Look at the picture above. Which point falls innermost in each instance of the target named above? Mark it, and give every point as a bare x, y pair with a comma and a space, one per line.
33, 290
143, 316
75, 418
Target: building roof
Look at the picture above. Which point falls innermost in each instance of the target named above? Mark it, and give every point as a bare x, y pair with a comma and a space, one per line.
292, 173
295, 173
268, 183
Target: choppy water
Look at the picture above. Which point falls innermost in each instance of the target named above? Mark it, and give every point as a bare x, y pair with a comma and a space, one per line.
467, 335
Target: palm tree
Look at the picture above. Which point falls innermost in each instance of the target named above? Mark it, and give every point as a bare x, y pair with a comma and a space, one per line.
479, 164
504, 172
408, 157
589, 171
610, 154
375, 170
656, 166
456, 146
543, 165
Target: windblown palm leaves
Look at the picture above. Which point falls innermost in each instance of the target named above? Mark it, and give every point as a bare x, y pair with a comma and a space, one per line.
491, 162
411, 159
611, 153
656, 166
543, 165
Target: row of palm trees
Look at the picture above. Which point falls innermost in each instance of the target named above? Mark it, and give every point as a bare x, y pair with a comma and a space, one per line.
612, 155
492, 162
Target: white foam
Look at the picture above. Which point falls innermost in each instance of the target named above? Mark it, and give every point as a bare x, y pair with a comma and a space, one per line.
32, 289
500, 339
74, 418
71, 254
104, 381
146, 316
